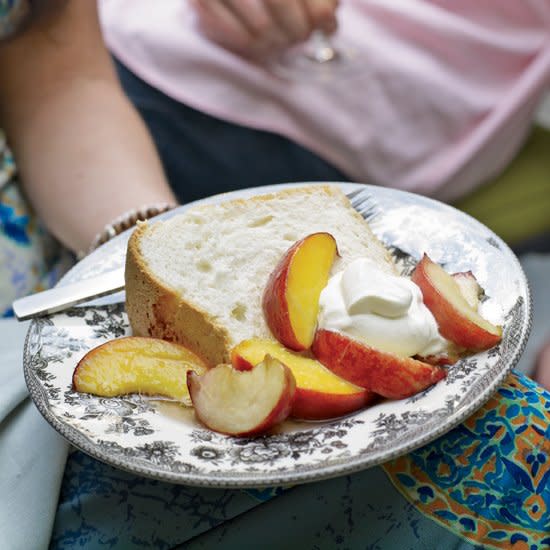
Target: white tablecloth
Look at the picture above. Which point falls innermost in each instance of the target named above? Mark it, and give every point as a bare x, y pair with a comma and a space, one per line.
32, 455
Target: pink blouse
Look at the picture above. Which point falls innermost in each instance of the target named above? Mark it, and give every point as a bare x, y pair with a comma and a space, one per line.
441, 101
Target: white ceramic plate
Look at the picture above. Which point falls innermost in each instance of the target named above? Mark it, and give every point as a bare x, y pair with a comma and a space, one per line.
164, 441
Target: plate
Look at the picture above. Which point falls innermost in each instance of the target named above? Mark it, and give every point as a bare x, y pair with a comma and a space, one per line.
162, 440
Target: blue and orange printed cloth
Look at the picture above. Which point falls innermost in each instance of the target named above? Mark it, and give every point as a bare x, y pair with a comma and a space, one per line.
488, 480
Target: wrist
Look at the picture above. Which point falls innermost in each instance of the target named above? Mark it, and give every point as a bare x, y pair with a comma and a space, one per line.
126, 221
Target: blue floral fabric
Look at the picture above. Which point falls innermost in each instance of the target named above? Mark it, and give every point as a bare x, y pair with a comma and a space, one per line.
30, 259
12, 14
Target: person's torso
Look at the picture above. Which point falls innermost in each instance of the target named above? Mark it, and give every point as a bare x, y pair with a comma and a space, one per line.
441, 97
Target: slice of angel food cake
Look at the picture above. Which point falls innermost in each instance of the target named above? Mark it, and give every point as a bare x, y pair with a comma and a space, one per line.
291, 306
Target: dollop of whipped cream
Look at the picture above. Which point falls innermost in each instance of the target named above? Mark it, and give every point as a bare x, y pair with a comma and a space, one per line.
381, 310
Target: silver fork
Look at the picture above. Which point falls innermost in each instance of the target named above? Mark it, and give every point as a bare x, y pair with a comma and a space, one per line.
362, 200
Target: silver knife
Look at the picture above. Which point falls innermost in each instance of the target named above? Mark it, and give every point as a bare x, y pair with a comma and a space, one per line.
65, 296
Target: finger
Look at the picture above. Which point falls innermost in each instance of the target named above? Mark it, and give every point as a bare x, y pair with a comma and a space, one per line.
253, 15
291, 17
220, 23
322, 14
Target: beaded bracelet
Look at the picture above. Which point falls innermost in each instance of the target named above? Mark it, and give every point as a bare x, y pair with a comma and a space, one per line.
125, 221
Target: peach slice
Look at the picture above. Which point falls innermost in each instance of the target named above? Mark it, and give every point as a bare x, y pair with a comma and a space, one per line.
291, 296
458, 321
469, 287
135, 364
381, 372
243, 403
320, 394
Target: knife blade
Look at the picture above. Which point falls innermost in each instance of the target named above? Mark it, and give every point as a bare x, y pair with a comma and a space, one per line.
65, 296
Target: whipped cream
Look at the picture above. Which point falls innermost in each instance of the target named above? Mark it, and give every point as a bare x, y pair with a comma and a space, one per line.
382, 310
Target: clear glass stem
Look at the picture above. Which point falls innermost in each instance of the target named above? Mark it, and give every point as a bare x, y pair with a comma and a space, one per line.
320, 48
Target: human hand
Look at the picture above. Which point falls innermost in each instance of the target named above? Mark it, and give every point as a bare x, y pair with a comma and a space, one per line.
256, 28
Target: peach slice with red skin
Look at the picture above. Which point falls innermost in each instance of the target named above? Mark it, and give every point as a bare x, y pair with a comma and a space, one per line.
469, 287
457, 319
320, 394
291, 297
381, 372
136, 364
243, 403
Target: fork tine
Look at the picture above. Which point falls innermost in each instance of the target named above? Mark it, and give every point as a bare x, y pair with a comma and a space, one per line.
358, 196
351, 196
363, 201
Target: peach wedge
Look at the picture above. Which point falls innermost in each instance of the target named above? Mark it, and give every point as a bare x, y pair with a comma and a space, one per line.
458, 320
135, 364
469, 287
320, 394
242, 403
381, 372
291, 296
